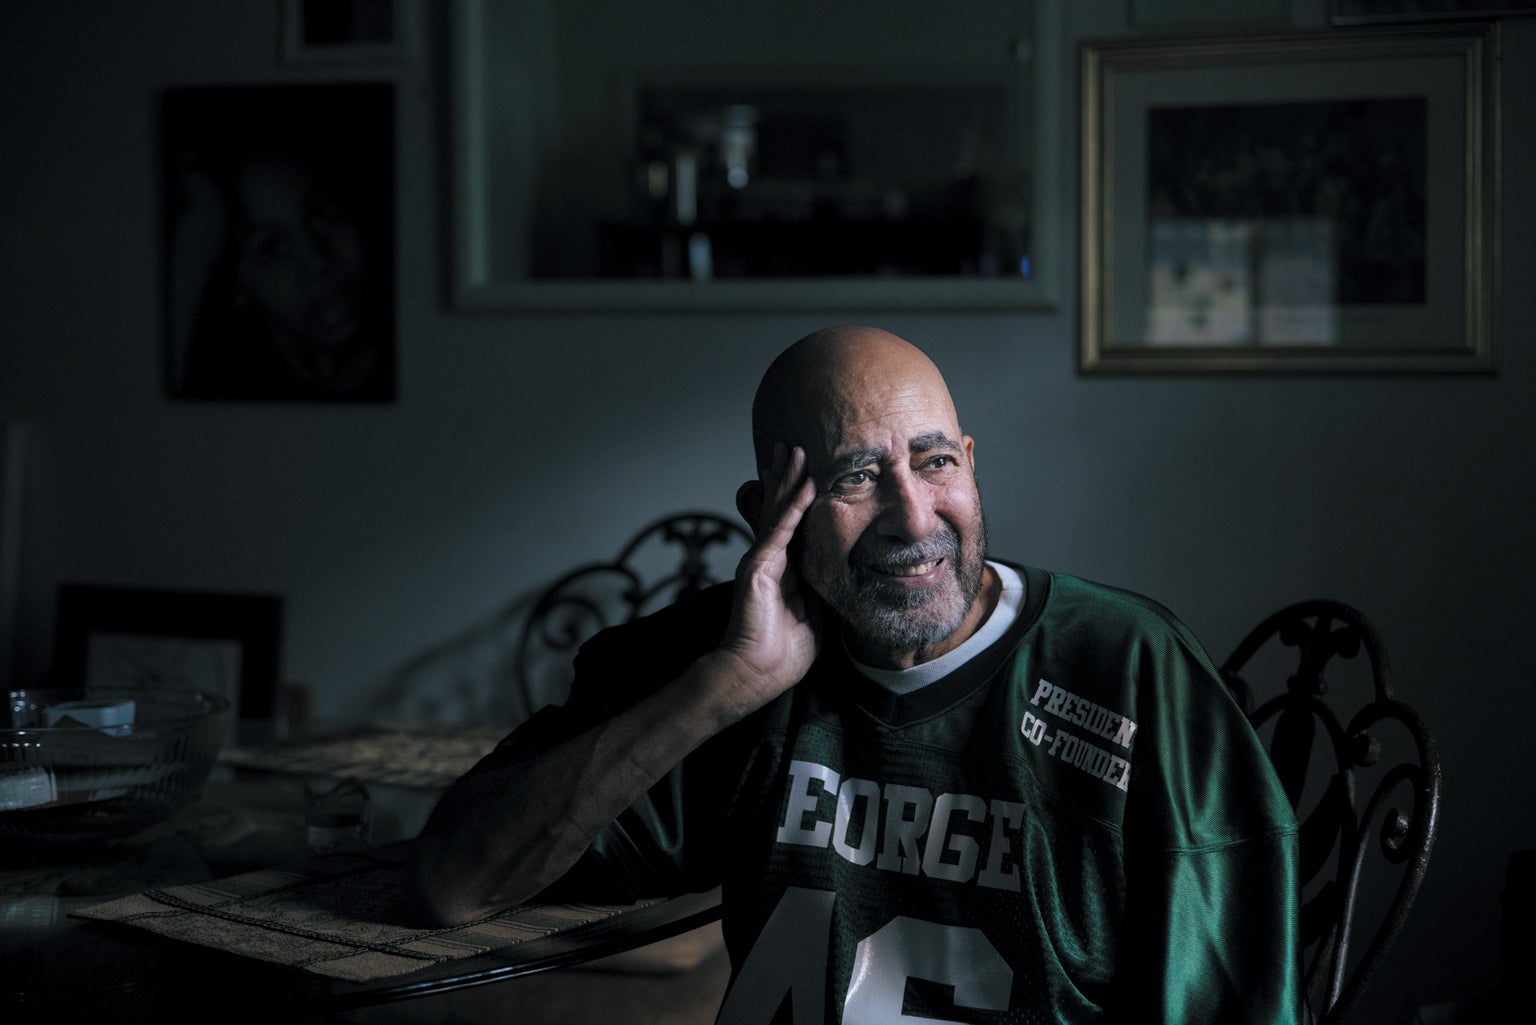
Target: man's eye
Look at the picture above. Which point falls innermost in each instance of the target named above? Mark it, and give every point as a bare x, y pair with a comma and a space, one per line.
854, 480
268, 246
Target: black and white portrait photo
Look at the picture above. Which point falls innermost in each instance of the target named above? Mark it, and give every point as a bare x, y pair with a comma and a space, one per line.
279, 242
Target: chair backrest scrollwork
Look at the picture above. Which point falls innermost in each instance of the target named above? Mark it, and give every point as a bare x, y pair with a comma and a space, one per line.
667, 560
1324, 763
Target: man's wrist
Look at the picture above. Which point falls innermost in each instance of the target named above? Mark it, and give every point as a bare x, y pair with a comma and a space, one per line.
726, 688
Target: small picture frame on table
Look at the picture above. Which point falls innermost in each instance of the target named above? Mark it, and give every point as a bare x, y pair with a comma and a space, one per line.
123, 638
12, 434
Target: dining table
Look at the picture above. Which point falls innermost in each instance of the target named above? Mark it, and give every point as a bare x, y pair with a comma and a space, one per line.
238, 903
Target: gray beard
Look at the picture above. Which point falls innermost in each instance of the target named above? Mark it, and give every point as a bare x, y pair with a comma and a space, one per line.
899, 618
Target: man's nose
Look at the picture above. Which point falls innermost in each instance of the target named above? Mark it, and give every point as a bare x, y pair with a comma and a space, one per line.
318, 251
906, 507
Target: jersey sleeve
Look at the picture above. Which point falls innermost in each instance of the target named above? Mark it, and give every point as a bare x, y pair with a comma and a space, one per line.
1215, 936
1211, 854
641, 853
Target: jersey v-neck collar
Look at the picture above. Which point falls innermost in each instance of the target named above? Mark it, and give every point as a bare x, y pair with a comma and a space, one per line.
898, 710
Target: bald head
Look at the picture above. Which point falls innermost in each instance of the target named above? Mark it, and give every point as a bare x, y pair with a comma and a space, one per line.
812, 390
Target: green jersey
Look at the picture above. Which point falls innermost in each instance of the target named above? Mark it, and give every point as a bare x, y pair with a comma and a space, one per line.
1076, 825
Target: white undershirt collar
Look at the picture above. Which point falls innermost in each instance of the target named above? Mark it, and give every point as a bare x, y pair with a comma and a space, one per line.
905, 681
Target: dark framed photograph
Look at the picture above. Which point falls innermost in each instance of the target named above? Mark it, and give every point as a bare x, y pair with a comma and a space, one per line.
1374, 12
1191, 14
12, 434
279, 242
1314, 202
347, 30
132, 639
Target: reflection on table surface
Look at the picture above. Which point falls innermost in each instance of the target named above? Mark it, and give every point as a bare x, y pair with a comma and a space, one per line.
59, 968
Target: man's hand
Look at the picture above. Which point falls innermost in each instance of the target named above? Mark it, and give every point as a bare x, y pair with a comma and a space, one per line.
499, 837
774, 632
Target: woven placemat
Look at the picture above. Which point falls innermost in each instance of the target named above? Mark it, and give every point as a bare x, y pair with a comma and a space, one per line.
426, 756
338, 915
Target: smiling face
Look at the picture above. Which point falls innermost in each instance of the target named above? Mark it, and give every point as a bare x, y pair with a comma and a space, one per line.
301, 254
894, 543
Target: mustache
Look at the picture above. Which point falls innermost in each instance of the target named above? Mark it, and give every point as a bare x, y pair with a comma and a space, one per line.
883, 553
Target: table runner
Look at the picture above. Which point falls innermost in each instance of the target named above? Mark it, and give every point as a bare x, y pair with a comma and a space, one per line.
338, 915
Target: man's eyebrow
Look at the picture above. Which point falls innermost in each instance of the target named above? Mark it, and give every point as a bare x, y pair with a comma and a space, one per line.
932, 440
920, 443
850, 461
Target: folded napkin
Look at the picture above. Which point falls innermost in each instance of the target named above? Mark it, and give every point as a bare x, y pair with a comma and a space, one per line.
338, 915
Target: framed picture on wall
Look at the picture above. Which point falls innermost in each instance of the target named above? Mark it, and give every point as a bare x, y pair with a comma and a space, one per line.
1188, 14
1314, 202
133, 639
1368, 12
347, 30
279, 242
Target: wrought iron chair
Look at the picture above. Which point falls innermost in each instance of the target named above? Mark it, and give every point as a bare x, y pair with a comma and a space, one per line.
500, 671
669, 559
1324, 764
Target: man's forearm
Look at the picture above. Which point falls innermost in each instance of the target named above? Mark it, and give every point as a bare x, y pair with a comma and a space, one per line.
499, 837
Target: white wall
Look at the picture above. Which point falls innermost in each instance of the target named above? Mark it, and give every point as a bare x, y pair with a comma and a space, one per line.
520, 445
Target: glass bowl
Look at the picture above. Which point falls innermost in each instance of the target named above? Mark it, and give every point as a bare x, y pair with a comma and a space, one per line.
82, 766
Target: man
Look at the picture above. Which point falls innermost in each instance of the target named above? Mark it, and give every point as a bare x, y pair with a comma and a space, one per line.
929, 784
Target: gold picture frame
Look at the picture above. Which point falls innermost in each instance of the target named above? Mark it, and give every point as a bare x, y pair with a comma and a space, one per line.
1316, 202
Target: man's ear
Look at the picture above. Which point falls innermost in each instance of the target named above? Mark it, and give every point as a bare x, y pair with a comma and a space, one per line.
749, 502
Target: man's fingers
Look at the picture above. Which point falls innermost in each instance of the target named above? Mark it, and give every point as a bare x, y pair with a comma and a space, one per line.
780, 469
791, 495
